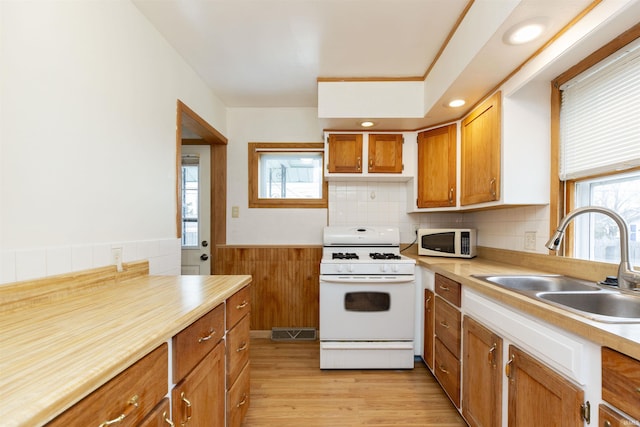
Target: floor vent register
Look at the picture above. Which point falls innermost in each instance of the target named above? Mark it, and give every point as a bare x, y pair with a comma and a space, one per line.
293, 334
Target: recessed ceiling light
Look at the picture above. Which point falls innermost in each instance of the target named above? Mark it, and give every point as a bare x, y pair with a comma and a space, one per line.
367, 124
456, 103
525, 31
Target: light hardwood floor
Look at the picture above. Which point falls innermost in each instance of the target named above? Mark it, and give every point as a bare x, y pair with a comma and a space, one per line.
289, 389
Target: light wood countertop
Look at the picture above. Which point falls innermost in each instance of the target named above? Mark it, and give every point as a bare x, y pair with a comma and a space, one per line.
624, 337
56, 350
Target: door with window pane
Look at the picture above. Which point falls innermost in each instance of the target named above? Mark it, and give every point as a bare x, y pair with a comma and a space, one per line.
196, 206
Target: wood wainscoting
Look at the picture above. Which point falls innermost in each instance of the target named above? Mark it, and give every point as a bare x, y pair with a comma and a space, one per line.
285, 286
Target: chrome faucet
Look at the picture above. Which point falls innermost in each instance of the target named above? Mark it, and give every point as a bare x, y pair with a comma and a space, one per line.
628, 278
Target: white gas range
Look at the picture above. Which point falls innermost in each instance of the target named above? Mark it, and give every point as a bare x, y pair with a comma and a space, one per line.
367, 300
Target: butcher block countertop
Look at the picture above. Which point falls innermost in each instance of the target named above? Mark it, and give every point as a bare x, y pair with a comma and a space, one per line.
60, 341
623, 337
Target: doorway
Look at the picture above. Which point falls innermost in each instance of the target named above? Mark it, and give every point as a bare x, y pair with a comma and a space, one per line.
193, 130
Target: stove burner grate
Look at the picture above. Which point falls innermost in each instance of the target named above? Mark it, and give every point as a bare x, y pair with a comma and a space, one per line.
341, 255
378, 255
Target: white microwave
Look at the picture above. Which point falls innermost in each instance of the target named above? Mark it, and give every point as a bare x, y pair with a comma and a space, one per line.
447, 242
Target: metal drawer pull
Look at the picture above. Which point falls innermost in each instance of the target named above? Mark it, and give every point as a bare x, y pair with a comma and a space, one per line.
492, 188
212, 332
444, 324
451, 196
241, 306
507, 367
607, 423
242, 347
133, 404
444, 370
167, 420
188, 406
243, 401
444, 288
492, 356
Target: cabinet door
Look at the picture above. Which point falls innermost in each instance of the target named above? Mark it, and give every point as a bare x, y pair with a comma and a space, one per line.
437, 167
199, 400
538, 396
345, 153
480, 154
385, 153
427, 353
481, 375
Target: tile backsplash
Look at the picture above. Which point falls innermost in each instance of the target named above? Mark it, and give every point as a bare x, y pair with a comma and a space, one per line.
385, 203
163, 255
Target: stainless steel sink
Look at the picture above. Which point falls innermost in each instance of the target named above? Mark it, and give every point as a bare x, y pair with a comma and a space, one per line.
540, 283
603, 306
575, 295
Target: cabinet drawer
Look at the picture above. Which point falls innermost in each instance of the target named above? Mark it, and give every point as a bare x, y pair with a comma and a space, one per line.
621, 381
159, 416
144, 382
237, 349
610, 418
448, 289
447, 371
195, 341
447, 326
238, 399
238, 305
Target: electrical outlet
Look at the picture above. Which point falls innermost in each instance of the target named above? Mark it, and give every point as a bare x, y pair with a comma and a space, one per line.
530, 240
415, 228
116, 258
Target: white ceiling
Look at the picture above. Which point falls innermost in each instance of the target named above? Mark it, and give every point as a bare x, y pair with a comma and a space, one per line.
270, 53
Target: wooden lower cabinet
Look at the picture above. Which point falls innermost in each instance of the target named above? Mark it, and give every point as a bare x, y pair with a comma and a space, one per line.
427, 351
609, 418
447, 371
126, 399
539, 396
621, 381
237, 342
160, 416
482, 375
198, 400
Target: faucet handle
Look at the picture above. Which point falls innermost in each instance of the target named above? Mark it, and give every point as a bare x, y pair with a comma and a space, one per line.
609, 281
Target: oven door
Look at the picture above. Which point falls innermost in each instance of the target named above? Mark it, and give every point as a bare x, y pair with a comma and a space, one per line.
367, 308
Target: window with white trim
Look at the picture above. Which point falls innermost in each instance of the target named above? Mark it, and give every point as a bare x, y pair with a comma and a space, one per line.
600, 152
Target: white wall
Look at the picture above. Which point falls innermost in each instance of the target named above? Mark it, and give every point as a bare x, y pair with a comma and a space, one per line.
268, 226
87, 125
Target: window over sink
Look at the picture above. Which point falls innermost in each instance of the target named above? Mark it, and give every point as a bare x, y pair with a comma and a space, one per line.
598, 146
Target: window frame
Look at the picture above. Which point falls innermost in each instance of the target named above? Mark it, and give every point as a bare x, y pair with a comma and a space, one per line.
562, 193
254, 150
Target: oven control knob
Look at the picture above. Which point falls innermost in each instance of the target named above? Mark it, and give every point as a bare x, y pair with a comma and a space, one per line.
339, 268
350, 268
395, 268
383, 268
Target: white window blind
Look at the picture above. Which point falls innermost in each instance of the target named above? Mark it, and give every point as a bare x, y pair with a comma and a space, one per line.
600, 117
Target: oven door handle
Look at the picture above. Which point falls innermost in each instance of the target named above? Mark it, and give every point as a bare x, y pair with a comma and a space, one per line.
367, 279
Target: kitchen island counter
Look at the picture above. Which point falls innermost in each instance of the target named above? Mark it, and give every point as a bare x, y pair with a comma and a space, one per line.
57, 348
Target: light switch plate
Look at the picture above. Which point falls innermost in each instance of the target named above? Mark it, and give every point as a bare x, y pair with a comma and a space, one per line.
530, 240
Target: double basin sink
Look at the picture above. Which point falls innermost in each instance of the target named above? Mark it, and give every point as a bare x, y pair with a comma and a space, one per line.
578, 296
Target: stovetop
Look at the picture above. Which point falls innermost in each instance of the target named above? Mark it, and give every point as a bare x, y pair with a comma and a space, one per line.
372, 255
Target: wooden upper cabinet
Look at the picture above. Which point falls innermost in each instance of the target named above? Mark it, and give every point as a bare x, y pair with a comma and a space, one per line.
385, 153
480, 153
345, 153
437, 167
